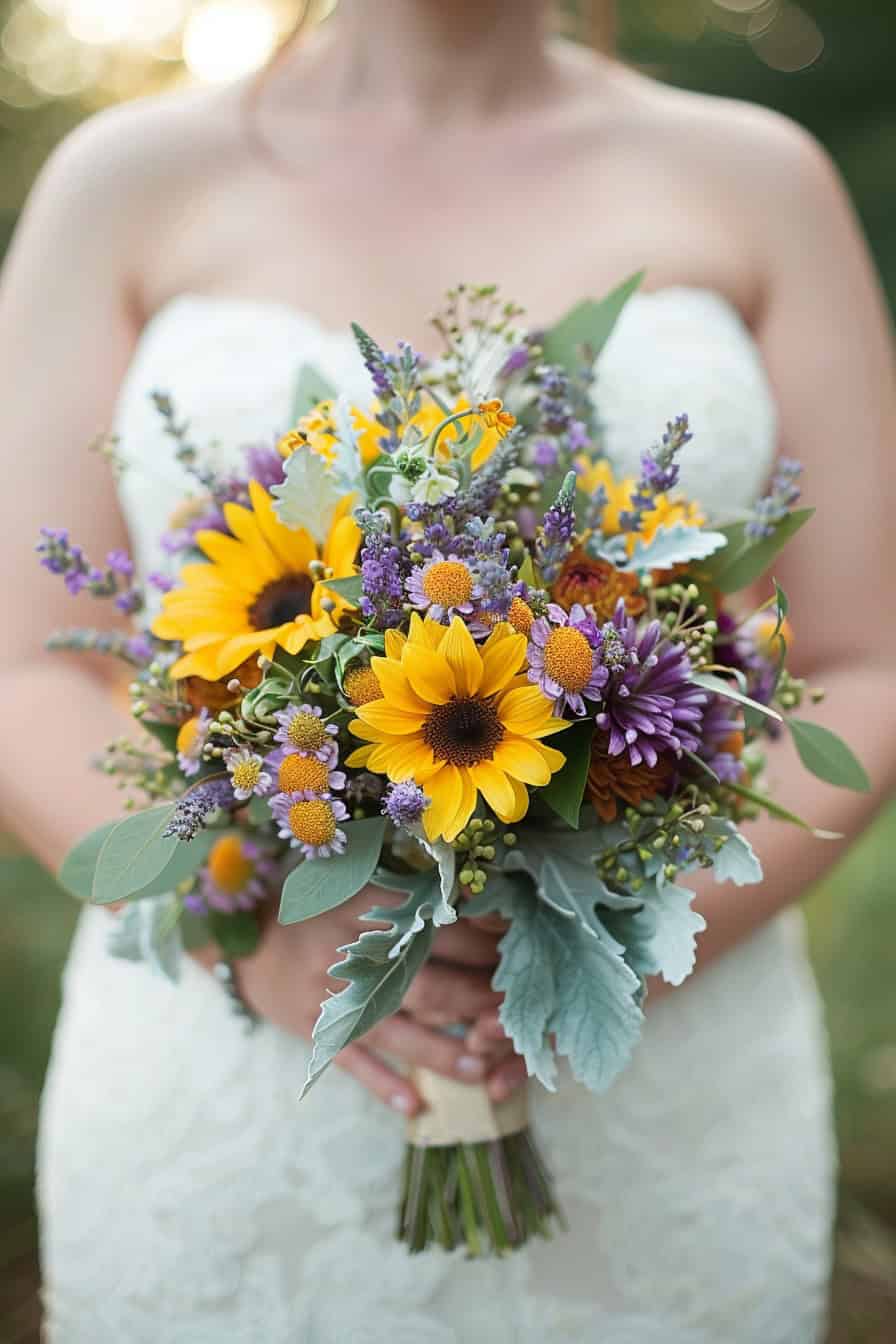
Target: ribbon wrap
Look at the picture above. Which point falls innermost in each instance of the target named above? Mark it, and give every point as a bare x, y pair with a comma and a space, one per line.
461, 1113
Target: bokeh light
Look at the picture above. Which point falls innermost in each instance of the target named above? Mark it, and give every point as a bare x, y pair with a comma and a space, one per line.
225, 39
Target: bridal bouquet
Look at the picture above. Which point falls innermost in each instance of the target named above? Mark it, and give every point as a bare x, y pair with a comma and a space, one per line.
433, 644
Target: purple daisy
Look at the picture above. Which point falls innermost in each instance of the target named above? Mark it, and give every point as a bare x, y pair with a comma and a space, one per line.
237, 876
308, 821
565, 656
719, 730
444, 587
651, 702
301, 728
307, 773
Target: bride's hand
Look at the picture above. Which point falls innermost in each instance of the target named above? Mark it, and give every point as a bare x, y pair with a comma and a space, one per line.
285, 982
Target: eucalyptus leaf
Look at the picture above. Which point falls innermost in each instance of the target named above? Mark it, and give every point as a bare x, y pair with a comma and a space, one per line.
827, 756
376, 979
134, 852
79, 864
184, 862
774, 809
566, 789
745, 560
165, 733
310, 388
318, 885
720, 687
676, 545
588, 326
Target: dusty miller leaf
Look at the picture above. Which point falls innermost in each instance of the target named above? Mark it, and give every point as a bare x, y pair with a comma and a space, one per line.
377, 978
149, 931
309, 495
736, 861
675, 545
525, 975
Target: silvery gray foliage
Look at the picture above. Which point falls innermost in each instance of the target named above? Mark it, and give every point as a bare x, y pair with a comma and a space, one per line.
149, 931
678, 544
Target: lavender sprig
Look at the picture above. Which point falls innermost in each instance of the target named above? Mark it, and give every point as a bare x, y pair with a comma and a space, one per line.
555, 538
193, 810
383, 572
138, 650
61, 556
782, 495
659, 473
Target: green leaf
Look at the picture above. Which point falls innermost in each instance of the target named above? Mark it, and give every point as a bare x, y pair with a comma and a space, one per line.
720, 687
79, 864
378, 968
133, 853
827, 756
349, 588
259, 811
661, 938
676, 545
236, 934
194, 931
744, 560
310, 388
185, 860
318, 885
589, 324
526, 573
566, 789
562, 866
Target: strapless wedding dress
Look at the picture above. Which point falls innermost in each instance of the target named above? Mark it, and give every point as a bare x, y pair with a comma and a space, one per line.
187, 1198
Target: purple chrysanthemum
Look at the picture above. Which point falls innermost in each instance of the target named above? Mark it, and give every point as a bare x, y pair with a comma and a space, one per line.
565, 658
720, 727
651, 702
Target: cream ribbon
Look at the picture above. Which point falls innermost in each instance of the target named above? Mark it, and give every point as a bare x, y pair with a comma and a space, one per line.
460, 1113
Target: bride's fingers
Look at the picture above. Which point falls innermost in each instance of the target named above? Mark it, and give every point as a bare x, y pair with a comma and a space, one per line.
442, 995
425, 1049
507, 1078
487, 1037
386, 1083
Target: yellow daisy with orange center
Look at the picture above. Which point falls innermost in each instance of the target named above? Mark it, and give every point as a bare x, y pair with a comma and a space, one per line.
461, 720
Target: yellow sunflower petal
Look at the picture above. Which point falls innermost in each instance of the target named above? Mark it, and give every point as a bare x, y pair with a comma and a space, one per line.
430, 675
200, 664
294, 547
503, 654
445, 791
404, 759
465, 808
245, 570
522, 760
461, 653
380, 714
520, 803
494, 786
396, 688
426, 632
395, 642
525, 710
360, 756
342, 546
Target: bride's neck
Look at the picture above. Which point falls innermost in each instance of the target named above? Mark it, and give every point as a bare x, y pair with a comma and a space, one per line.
432, 55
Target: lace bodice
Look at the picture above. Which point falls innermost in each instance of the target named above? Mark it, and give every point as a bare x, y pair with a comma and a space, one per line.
188, 1199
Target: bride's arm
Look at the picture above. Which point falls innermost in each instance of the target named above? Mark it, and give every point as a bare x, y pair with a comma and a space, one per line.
68, 327
826, 341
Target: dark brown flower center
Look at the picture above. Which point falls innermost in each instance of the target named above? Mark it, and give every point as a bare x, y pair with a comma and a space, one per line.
463, 732
281, 601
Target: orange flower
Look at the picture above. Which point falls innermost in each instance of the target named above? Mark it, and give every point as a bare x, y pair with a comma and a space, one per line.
612, 779
495, 417
596, 583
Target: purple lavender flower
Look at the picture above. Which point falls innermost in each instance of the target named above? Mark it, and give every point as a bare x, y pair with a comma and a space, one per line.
265, 465
404, 804
545, 453
555, 540
516, 361
163, 583
383, 572
783, 493
651, 703
193, 810
120, 563
565, 658
659, 473
140, 648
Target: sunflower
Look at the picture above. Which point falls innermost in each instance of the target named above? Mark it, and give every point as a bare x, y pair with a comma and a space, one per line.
459, 719
667, 509
257, 591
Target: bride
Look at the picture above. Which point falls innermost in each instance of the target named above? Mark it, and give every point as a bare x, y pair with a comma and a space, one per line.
209, 244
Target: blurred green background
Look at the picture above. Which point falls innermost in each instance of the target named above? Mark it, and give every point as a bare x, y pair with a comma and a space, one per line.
827, 63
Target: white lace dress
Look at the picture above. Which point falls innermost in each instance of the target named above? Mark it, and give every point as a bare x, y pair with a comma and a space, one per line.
188, 1199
